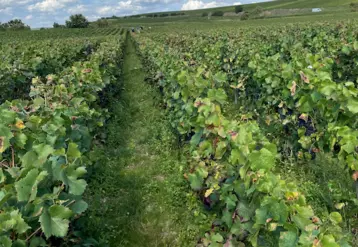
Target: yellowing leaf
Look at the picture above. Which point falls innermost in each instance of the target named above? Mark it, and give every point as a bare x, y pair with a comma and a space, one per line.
293, 88
339, 205
304, 117
292, 195
20, 124
2, 144
268, 120
209, 192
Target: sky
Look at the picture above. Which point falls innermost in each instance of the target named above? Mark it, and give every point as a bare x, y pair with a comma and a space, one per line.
43, 13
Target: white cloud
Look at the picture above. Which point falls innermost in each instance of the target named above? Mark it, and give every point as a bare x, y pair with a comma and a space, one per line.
155, 1
7, 3
123, 7
105, 10
194, 4
49, 5
128, 5
7, 11
93, 17
237, 3
78, 9
29, 17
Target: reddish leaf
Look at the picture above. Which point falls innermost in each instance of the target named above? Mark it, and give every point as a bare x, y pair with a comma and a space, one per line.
304, 77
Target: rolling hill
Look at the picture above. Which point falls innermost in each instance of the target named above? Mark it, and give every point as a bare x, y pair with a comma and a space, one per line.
279, 4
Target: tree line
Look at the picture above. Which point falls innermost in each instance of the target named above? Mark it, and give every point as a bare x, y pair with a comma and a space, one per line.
80, 21
15, 24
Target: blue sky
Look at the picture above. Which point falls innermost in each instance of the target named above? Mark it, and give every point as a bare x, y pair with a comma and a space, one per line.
43, 13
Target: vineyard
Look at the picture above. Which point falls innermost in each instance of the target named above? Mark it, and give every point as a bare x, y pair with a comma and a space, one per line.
269, 115
188, 135
50, 89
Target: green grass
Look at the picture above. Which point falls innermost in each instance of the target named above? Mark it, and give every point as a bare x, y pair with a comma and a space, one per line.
325, 181
138, 195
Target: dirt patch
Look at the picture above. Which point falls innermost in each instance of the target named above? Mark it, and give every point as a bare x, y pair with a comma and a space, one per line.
284, 12
233, 14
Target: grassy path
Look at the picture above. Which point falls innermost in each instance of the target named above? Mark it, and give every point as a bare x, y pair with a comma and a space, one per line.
138, 196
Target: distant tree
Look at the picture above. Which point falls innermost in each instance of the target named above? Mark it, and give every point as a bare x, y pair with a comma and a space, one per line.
257, 11
15, 24
102, 23
238, 9
244, 16
204, 14
56, 25
217, 13
77, 21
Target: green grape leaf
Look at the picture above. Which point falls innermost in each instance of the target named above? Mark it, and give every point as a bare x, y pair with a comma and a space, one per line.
20, 140
329, 241
38, 242
43, 151
214, 119
30, 159
26, 188
301, 221
77, 186
38, 101
336, 217
5, 241
288, 239
53, 226
20, 226
196, 181
19, 243
217, 238
263, 159
60, 211
195, 140
352, 106
220, 149
79, 207
218, 95
72, 151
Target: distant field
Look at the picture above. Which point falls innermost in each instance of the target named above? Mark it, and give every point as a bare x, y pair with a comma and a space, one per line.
308, 3
200, 22
343, 5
